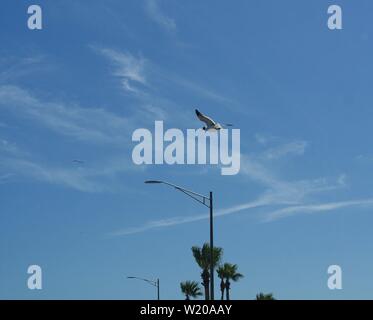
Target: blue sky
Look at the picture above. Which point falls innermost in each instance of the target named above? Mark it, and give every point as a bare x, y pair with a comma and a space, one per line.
299, 93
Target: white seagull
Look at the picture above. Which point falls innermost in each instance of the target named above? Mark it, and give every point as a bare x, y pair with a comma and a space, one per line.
210, 124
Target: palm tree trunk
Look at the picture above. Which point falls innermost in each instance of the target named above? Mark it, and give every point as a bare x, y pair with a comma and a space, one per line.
222, 287
206, 286
206, 283
227, 288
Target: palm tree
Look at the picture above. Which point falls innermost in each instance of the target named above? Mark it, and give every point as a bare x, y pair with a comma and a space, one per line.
202, 257
221, 274
229, 272
190, 289
263, 296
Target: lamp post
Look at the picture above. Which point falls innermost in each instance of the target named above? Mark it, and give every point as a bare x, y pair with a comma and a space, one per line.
153, 283
206, 201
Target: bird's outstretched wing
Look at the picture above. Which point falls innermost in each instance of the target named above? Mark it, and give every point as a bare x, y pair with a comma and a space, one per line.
209, 122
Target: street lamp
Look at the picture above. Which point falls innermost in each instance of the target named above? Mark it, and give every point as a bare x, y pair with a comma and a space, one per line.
206, 201
153, 283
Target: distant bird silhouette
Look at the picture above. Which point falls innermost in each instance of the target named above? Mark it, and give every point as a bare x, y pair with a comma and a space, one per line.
210, 124
78, 161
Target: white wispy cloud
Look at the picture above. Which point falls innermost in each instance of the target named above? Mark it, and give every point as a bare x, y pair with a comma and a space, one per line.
294, 195
266, 139
145, 80
127, 67
95, 177
269, 217
94, 126
314, 208
150, 112
281, 148
8, 147
282, 191
58, 176
13, 68
261, 202
87, 124
158, 16
199, 89
364, 159
174, 221
291, 148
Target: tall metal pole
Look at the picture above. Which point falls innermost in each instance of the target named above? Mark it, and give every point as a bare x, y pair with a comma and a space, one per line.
211, 250
201, 199
158, 288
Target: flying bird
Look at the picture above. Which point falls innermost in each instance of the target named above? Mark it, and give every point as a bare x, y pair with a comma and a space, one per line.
210, 124
78, 161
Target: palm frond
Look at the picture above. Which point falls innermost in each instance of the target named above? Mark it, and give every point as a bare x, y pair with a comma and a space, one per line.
190, 289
